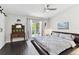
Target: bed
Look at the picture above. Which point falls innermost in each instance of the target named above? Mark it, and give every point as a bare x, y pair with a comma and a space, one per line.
55, 44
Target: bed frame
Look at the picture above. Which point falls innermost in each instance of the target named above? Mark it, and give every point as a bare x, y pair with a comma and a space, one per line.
42, 51
76, 40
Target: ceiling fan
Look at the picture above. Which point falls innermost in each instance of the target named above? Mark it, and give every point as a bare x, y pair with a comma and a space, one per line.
48, 8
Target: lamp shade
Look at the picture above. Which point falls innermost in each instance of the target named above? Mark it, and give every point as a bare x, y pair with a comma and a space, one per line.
47, 31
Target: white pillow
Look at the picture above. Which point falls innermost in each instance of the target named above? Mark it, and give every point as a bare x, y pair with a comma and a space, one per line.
55, 34
66, 36
73, 37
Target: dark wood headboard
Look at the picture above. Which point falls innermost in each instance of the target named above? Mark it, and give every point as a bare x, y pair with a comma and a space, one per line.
65, 33
75, 34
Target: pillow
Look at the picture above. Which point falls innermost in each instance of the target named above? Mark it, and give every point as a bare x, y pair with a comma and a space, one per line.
55, 34
73, 37
66, 36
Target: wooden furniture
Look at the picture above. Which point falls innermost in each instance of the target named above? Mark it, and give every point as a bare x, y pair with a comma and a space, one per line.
18, 30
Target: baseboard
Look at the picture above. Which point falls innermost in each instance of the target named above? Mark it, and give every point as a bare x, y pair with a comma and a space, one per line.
15, 40
2, 46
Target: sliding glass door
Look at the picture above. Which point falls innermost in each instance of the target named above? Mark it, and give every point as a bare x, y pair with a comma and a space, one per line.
36, 28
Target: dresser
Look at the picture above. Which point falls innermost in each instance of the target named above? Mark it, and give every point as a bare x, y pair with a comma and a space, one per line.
18, 31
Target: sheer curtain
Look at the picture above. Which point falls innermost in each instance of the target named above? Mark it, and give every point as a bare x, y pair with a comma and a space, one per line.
28, 28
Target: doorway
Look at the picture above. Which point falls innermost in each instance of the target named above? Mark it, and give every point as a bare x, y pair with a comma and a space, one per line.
36, 28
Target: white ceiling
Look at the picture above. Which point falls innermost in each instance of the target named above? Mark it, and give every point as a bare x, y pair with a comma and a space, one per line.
33, 9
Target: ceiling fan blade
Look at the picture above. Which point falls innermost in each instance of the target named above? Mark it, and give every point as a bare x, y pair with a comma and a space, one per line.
51, 8
47, 8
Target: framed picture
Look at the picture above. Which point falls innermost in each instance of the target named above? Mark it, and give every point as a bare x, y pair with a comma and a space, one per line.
63, 25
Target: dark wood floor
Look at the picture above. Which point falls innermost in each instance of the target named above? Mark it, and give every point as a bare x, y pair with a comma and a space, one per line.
16, 48
25, 48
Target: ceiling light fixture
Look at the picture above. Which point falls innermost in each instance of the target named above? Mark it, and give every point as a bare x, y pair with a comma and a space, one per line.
47, 8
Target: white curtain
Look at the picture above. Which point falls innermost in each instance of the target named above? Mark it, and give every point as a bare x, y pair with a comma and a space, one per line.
29, 30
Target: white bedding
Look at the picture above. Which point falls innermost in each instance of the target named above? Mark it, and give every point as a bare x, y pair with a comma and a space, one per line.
55, 45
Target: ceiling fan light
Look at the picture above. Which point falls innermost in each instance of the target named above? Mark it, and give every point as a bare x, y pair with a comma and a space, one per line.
47, 10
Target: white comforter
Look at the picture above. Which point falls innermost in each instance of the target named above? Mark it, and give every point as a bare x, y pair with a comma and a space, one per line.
55, 45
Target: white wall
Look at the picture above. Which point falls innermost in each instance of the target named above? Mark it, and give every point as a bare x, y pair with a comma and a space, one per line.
2, 34
10, 20
71, 15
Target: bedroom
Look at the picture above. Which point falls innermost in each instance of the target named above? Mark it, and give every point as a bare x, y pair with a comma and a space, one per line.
52, 20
